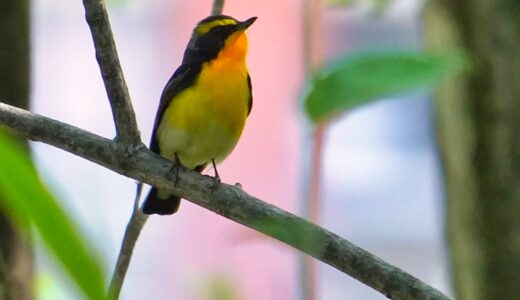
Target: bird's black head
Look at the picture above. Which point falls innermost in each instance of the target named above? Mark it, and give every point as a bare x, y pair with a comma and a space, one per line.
210, 35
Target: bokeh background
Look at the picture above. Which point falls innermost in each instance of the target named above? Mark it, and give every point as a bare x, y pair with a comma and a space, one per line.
381, 179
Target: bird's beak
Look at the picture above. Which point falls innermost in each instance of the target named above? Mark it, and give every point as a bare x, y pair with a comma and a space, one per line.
244, 25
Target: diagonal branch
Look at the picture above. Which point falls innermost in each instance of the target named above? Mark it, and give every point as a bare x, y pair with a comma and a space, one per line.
229, 201
115, 85
133, 229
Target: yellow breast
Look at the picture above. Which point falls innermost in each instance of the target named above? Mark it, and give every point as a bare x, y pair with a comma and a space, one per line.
205, 121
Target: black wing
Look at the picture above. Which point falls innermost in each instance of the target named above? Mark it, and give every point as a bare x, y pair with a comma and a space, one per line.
183, 77
250, 102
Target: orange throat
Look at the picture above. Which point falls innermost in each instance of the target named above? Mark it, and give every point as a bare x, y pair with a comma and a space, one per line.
235, 48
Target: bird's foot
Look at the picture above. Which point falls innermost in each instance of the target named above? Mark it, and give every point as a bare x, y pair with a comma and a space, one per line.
216, 179
175, 170
214, 185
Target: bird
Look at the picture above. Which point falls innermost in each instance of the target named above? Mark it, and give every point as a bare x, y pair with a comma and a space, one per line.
204, 105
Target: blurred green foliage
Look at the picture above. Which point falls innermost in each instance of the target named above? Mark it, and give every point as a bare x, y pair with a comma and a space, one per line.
222, 288
359, 79
27, 201
378, 4
47, 287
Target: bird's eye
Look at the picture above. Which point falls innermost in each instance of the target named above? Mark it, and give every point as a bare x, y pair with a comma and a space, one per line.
217, 29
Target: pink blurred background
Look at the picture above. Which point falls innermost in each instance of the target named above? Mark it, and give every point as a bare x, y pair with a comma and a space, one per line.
191, 254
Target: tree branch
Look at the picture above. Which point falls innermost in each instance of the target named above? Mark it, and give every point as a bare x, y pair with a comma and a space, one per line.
229, 201
115, 85
127, 130
133, 229
218, 7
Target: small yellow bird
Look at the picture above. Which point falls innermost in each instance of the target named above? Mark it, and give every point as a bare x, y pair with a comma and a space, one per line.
205, 104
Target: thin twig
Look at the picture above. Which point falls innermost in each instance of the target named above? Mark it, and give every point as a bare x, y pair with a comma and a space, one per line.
229, 201
115, 85
312, 187
133, 229
218, 7
138, 191
311, 211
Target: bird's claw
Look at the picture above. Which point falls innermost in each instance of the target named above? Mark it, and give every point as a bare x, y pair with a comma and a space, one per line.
174, 168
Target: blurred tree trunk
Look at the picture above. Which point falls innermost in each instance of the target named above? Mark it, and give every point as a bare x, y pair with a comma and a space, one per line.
479, 133
15, 249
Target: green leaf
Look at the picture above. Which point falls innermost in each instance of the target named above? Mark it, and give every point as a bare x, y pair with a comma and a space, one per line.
25, 198
360, 79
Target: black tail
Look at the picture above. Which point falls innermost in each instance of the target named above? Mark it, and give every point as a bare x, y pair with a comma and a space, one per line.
155, 205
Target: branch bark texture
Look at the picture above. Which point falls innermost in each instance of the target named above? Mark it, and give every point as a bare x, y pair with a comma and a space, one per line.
115, 85
229, 201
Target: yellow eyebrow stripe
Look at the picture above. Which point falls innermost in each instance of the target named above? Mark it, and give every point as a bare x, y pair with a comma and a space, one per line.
206, 27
